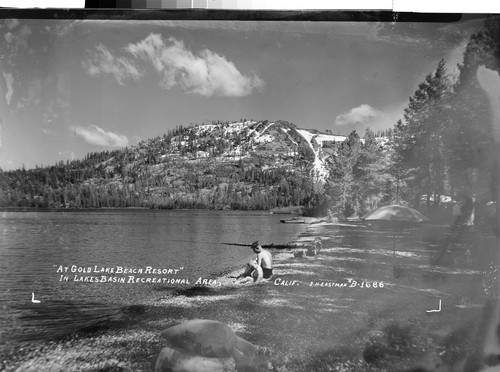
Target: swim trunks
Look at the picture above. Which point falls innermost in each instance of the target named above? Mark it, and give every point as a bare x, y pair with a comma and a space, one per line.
267, 273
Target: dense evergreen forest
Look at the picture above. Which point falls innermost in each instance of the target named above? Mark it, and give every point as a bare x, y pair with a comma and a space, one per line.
442, 150
177, 170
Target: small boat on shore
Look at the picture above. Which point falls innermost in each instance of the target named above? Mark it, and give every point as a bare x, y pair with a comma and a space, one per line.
293, 220
270, 246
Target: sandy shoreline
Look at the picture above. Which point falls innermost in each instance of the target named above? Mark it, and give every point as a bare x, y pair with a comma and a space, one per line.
55, 354
305, 316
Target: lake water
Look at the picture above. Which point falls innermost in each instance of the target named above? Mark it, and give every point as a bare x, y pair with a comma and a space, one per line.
36, 246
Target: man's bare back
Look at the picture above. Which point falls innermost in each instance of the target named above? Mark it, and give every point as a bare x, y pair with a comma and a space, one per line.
265, 259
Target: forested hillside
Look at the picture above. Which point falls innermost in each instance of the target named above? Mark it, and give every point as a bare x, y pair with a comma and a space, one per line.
249, 165
239, 165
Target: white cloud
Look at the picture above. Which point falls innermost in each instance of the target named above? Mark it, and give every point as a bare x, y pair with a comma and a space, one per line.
103, 61
206, 73
358, 115
9, 82
98, 136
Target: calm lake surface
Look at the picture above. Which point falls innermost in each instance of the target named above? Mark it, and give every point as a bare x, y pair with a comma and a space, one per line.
35, 245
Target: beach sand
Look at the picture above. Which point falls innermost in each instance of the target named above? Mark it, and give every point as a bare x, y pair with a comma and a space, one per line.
357, 306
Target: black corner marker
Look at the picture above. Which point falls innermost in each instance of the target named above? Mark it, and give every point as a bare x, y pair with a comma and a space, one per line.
100, 4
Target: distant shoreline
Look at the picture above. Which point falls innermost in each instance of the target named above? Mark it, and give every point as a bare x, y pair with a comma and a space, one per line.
34, 209
293, 210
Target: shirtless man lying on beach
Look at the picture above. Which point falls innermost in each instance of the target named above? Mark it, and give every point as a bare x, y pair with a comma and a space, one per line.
264, 261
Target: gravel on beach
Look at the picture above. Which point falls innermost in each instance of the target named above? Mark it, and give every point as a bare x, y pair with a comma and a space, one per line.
346, 309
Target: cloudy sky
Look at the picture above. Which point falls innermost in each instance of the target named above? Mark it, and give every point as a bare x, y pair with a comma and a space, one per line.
71, 87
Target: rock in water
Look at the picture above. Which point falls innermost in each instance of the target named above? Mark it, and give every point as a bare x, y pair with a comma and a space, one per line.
174, 360
207, 338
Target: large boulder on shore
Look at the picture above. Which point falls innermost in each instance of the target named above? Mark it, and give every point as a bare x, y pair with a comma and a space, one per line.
207, 345
174, 360
250, 358
202, 337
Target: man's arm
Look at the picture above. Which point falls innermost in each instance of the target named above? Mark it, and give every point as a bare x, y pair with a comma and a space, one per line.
259, 259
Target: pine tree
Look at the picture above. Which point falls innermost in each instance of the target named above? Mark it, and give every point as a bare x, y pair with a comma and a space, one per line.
418, 140
372, 174
345, 190
470, 146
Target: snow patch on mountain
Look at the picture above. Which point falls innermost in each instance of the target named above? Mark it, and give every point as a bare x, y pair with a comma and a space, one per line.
320, 138
280, 138
319, 171
264, 137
